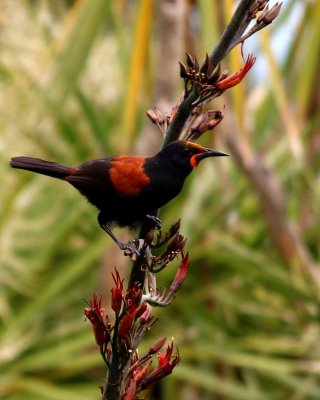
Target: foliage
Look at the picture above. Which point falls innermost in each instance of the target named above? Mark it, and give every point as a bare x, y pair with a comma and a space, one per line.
73, 88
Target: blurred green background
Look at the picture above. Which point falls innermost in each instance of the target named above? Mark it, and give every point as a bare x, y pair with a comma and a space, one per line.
76, 78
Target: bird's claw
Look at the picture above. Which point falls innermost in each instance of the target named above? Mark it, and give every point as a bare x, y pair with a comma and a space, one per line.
130, 248
155, 220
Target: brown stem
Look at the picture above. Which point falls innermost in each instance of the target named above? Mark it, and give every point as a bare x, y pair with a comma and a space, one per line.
184, 111
113, 386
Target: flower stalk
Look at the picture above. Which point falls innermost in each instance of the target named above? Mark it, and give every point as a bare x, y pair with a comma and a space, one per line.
128, 373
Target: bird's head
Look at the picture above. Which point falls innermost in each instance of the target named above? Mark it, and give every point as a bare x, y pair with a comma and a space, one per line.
187, 155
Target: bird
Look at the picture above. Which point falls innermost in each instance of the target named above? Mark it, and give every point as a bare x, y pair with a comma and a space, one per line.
127, 190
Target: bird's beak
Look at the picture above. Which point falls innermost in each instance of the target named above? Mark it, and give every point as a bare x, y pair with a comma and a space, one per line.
211, 153
194, 161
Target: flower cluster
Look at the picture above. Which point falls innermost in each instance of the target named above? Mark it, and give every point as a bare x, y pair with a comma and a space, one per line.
263, 16
163, 121
206, 74
205, 82
208, 82
118, 341
202, 122
141, 376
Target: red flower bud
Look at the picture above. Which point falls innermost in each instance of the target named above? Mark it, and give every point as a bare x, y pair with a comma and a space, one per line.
125, 326
165, 366
157, 346
181, 274
116, 293
95, 314
145, 317
140, 311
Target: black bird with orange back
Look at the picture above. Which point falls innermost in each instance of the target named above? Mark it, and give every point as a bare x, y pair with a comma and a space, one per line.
127, 189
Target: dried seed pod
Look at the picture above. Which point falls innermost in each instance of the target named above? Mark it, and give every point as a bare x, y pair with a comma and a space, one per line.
273, 13
183, 70
204, 67
215, 74
190, 60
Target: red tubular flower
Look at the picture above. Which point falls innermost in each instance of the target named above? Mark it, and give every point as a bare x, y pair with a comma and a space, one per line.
133, 310
131, 393
125, 325
181, 274
95, 314
166, 363
237, 77
145, 317
116, 293
165, 358
140, 373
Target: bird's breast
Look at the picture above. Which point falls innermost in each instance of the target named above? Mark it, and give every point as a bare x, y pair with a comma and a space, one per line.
166, 182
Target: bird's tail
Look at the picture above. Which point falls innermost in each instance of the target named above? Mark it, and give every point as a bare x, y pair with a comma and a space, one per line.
43, 167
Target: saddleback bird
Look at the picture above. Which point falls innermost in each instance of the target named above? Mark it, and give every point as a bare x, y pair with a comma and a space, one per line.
127, 189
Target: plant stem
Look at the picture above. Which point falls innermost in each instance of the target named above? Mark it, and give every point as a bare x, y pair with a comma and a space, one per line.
184, 111
225, 44
219, 52
112, 388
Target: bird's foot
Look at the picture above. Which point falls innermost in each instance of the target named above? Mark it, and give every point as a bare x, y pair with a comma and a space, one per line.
155, 220
129, 248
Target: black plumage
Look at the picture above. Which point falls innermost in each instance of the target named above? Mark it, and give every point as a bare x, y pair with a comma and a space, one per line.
127, 189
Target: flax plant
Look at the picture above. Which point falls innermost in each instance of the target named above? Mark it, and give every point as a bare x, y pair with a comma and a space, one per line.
247, 324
